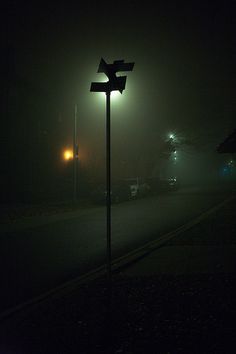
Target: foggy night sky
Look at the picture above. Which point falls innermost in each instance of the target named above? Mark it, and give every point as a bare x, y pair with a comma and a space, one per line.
184, 52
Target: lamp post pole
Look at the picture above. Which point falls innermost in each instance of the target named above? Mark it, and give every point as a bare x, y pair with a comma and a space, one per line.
75, 156
108, 171
114, 83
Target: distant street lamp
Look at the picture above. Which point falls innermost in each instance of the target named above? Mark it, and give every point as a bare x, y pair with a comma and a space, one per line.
68, 154
114, 83
75, 156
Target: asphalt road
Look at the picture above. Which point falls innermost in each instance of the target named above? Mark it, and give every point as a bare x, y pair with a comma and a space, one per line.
36, 259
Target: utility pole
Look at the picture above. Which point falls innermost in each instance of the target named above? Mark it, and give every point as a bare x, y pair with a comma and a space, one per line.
75, 156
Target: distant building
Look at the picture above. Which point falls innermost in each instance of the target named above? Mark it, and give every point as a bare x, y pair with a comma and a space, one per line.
228, 145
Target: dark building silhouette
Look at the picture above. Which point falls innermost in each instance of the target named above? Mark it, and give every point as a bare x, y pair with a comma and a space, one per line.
228, 145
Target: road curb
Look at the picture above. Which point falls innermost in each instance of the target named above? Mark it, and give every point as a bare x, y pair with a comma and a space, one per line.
153, 245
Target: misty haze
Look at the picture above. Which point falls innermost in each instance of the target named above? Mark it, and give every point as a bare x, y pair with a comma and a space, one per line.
118, 178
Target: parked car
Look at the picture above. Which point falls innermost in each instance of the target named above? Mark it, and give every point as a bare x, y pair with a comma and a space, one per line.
159, 186
120, 191
134, 186
138, 187
173, 183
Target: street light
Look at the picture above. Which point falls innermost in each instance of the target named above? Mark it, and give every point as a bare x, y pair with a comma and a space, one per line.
114, 83
68, 154
75, 155
115, 95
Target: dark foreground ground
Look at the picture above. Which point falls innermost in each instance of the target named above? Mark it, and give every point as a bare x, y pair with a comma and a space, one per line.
178, 299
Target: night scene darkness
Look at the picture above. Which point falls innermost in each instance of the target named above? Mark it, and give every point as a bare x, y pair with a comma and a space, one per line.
118, 237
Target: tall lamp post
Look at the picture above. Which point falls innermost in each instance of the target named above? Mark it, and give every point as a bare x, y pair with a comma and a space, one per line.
114, 83
75, 156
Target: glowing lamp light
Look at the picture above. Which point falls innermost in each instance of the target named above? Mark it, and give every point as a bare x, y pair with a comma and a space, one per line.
115, 95
68, 155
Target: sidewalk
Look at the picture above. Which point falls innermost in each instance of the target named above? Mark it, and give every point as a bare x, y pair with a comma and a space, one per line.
180, 298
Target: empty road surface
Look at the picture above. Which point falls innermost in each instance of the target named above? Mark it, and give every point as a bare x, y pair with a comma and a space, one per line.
36, 259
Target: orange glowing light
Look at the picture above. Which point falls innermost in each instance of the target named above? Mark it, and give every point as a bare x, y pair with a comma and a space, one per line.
68, 155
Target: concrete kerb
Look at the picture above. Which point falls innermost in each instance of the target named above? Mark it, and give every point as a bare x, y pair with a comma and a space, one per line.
151, 246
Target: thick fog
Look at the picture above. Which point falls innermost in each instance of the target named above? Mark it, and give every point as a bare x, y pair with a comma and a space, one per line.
182, 84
